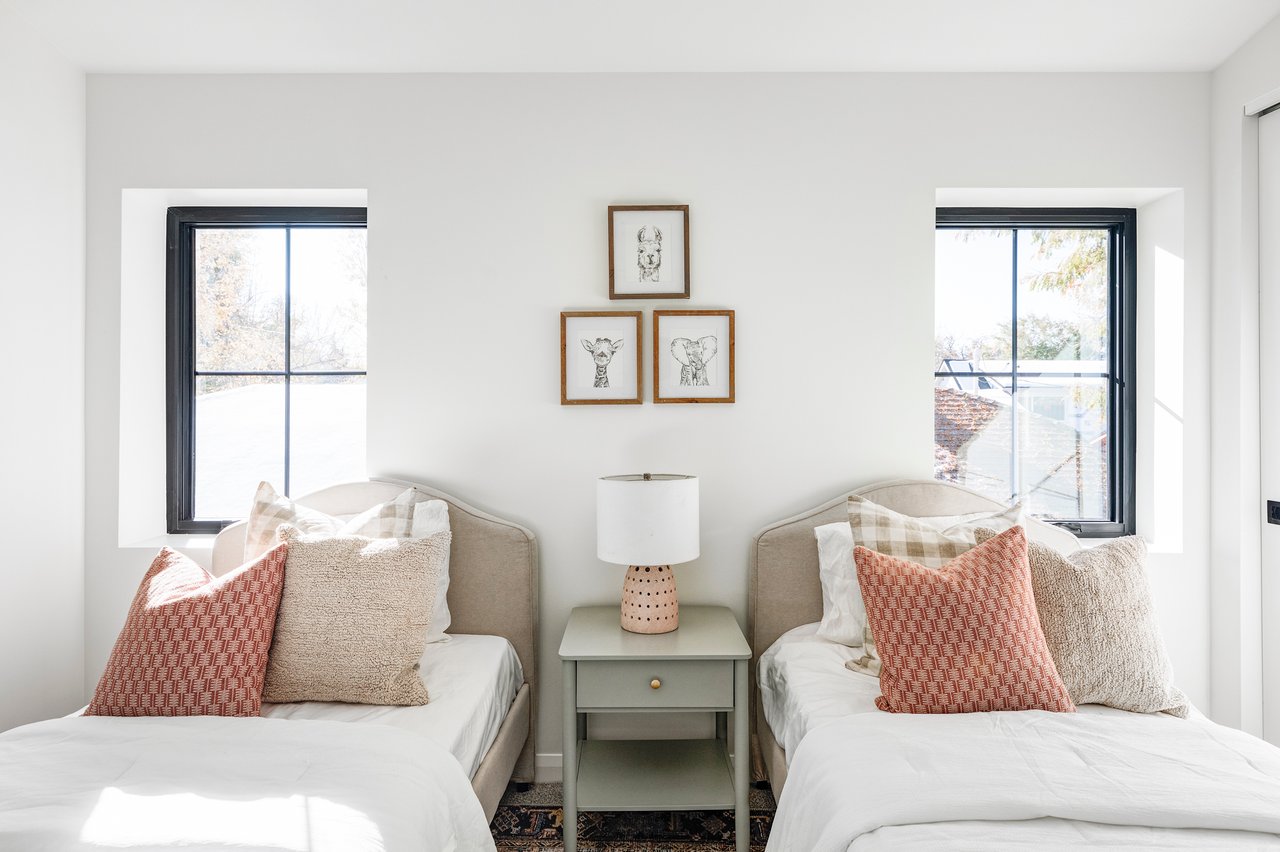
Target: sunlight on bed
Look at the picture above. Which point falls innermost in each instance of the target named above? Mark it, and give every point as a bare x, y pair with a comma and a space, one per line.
121, 820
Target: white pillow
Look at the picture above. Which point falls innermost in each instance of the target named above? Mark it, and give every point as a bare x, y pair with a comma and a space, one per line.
843, 614
844, 617
431, 517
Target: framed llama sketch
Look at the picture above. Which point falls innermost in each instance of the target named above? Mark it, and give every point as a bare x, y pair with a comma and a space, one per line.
693, 356
600, 358
649, 251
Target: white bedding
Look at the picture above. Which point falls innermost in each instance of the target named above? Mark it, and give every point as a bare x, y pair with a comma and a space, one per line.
210, 783
471, 681
804, 685
866, 780
1027, 779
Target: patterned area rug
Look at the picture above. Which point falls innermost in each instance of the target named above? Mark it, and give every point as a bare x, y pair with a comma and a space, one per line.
530, 820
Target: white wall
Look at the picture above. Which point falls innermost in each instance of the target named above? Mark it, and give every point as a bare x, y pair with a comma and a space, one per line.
812, 215
1236, 518
42, 350
1269, 407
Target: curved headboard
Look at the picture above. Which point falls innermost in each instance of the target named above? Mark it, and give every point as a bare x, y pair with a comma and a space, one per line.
493, 571
784, 591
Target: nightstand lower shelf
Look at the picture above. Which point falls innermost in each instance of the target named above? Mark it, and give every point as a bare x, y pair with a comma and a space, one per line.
654, 775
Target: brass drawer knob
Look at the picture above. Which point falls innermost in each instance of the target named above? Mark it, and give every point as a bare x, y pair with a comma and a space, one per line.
655, 683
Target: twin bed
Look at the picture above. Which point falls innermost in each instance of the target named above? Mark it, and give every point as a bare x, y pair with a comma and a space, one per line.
311, 776
318, 776
849, 777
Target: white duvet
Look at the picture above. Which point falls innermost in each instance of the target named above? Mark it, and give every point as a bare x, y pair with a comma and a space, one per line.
991, 781
210, 783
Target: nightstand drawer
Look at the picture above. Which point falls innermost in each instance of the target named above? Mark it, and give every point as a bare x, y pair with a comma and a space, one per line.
658, 684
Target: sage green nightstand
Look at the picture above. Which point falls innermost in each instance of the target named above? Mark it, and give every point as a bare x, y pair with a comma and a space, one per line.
700, 667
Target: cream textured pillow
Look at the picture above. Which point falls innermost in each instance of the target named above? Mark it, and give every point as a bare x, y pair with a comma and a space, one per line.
1096, 612
393, 519
354, 618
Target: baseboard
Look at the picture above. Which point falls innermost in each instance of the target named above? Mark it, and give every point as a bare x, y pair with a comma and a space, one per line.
548, 768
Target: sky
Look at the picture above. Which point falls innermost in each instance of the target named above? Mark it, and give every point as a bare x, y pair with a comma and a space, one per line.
971, 280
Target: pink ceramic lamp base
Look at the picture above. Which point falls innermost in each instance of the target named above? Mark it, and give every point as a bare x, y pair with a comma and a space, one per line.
649, 602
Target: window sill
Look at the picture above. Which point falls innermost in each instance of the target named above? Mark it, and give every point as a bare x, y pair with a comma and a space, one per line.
185, 542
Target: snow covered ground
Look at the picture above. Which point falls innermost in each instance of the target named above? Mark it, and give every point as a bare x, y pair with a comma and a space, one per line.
240, 441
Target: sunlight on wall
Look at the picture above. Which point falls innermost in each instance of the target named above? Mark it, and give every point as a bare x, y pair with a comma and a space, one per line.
1166, 409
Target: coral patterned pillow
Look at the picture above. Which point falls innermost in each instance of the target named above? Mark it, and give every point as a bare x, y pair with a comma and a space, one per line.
194, 645
963, 638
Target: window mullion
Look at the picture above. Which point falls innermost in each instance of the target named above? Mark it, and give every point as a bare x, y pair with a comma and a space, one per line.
1015, 479
288, 349
1114, 359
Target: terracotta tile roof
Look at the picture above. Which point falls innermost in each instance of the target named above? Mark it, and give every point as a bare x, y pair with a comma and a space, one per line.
1068, 469
958, 418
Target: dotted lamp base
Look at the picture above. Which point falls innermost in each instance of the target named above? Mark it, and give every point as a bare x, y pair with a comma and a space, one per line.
649, 600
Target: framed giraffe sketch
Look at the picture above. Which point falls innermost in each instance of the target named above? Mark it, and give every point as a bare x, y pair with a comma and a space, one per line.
600, 358
649, 251
693, 356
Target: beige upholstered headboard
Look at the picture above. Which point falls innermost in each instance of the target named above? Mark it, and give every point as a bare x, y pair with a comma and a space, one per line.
493, 572
784, 591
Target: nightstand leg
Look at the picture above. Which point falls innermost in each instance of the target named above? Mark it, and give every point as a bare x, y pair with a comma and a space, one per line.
722, 727
741, 758
570, 758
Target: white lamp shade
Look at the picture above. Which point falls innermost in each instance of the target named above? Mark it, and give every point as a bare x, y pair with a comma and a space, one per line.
650, 521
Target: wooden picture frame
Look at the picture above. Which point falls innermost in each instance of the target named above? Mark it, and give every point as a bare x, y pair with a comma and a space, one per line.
590, 343
690, 361
649, 251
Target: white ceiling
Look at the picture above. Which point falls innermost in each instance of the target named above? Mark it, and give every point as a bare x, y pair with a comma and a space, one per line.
643, 35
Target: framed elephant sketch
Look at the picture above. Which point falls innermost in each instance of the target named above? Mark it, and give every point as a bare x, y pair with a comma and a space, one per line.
600, 358
649, 251
693, 356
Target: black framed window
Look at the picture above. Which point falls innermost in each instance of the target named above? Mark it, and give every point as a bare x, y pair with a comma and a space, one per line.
266, 355
1034, 360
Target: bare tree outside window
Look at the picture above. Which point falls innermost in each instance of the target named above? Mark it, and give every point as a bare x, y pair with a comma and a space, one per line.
275, 364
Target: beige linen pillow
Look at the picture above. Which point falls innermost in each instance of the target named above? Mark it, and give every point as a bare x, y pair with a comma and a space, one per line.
354, 618
1096, 612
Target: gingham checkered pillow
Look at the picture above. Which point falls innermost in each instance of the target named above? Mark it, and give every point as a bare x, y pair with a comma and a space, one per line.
393, 519
904, 537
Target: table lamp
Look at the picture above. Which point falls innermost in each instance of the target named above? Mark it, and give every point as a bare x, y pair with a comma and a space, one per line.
648, 521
